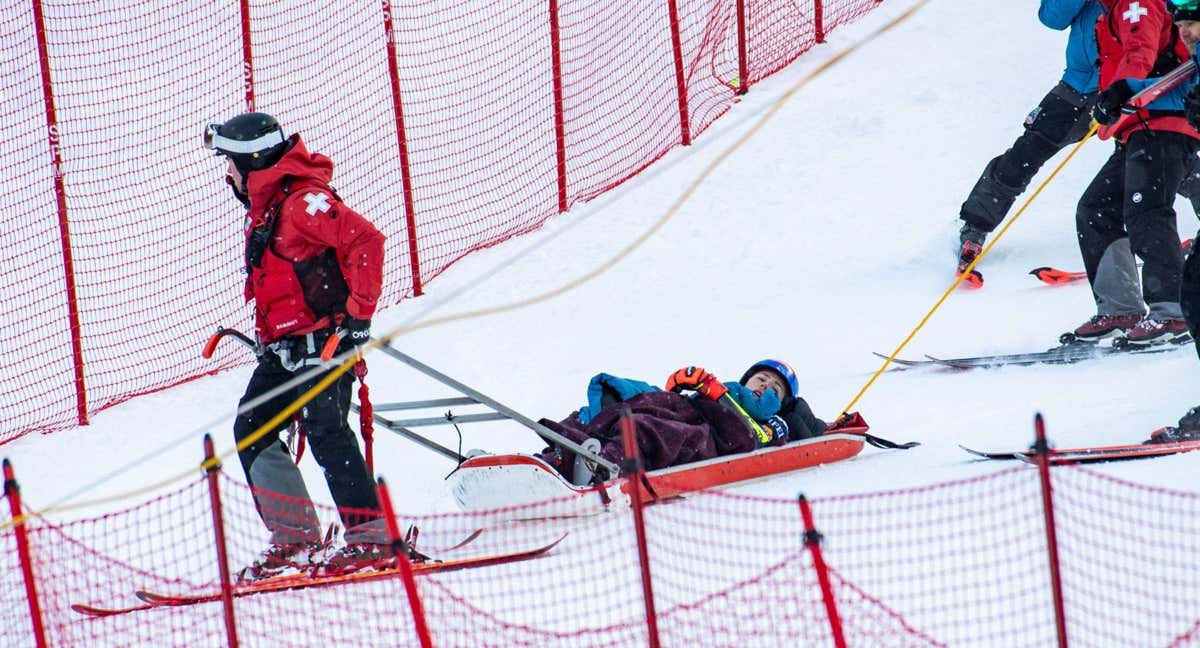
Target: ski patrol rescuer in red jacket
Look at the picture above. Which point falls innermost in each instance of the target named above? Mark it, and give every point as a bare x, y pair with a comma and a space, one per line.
314, 269
1128, 209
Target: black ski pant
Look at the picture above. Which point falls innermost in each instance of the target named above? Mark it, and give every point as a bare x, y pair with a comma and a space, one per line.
1128, 209
1062, 118
1189, 294
279, 491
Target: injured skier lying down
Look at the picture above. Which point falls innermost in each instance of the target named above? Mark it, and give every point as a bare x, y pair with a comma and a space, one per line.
762, 409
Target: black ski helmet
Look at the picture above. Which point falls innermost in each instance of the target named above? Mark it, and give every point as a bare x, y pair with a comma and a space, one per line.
251, 140
1183, 10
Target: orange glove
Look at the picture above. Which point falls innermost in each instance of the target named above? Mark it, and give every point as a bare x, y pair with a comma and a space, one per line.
697, 380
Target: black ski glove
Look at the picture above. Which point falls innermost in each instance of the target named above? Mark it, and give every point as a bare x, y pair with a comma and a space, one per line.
356, 330
1191, 106
1108, 104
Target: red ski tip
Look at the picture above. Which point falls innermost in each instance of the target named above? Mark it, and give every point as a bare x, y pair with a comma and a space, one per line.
1056, 277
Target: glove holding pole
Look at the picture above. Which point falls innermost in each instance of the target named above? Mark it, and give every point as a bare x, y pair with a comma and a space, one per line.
357, 331
698, 380
1111, 101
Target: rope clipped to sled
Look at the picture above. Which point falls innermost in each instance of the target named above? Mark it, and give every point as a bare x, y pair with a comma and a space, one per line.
855, 420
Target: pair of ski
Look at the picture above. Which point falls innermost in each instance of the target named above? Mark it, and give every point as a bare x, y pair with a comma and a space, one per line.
1064, 354
1092, 454
151, 600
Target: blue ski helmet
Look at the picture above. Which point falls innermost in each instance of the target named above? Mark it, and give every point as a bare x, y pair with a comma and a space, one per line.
779, 367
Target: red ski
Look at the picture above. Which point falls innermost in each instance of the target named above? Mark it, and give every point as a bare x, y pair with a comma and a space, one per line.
1094, 454
1056, 277
302, 581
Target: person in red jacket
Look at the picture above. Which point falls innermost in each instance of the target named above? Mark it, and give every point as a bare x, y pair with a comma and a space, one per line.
1128, 209
314, 270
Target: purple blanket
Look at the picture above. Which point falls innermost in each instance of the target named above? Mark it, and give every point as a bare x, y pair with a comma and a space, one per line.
671, 430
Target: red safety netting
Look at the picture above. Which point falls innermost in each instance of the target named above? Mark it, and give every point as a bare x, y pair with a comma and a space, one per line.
443, 122
960, 563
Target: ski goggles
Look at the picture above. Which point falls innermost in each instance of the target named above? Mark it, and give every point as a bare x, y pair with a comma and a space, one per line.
214, 141
1185, 5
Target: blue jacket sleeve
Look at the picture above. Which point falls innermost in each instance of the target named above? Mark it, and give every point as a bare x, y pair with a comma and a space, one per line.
1058, 14
1171, 99
624, 388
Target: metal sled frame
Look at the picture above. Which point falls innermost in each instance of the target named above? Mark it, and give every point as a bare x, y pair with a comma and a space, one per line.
470, 398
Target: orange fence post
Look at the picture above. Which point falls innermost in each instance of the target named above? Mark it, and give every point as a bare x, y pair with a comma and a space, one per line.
247, 56
685, 127
13, 493
812, 540
60, 198
635, 474
212, 469
406, 186
400, 551
743, 63
560, 130
1042, 451
819, 20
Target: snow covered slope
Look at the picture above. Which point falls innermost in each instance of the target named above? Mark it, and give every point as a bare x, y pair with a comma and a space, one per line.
822, 236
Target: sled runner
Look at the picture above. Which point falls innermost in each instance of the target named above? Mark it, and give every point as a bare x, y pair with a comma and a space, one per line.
494, 481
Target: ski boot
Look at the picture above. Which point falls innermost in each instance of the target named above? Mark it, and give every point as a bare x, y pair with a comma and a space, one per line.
286, 557
1153, 332
971, 241
1100, 327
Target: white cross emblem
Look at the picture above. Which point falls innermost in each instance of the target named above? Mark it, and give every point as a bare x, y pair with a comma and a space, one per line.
316, 203
1135, 12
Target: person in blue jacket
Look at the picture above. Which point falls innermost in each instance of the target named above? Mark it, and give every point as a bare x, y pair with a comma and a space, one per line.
1063, 117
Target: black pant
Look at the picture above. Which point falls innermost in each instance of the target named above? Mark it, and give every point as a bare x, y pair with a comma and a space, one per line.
1128, 209
1189, 294
1062, 118
268, 464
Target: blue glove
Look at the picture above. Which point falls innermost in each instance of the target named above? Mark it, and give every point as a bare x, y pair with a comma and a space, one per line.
777, 428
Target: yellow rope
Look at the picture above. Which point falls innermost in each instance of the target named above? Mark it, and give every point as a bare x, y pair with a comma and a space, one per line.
967, 271
513, 306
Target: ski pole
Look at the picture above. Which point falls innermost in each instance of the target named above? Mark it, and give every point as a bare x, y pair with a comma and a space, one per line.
211, 346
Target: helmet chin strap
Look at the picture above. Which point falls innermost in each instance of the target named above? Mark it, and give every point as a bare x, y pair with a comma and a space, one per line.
238, 192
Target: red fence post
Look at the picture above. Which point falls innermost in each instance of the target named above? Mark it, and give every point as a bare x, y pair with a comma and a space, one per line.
60, 198
819, 20
13, 493
247, 56
681, 87
1042, 452
212, 470
812, 540
410, 213
635, 473
560, 131
400, 550
743, 63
